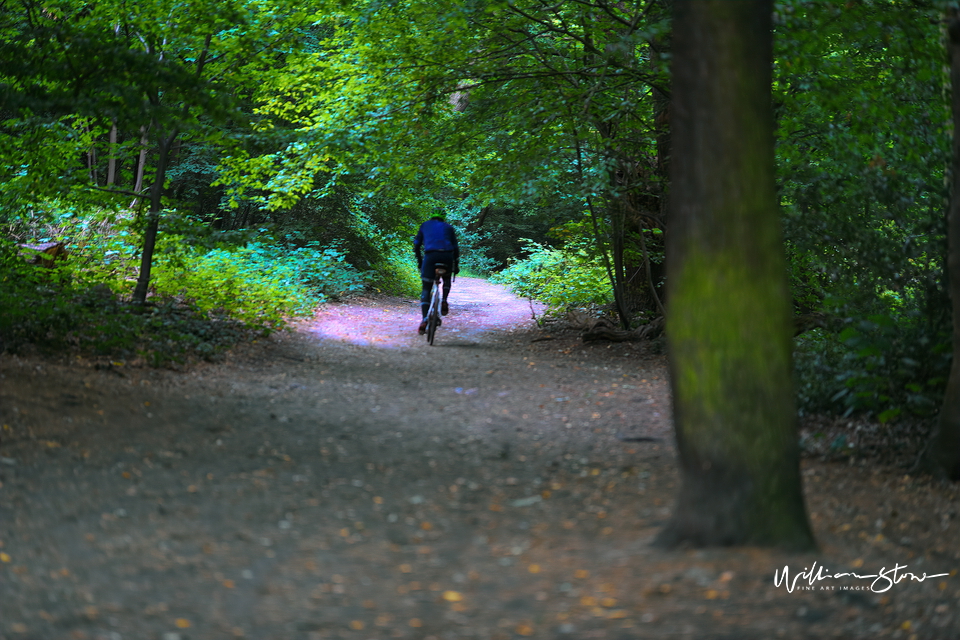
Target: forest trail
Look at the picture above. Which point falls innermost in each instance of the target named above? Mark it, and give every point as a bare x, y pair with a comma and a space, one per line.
477, 307
346, 480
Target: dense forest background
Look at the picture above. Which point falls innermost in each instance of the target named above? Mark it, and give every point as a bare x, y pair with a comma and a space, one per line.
193, 174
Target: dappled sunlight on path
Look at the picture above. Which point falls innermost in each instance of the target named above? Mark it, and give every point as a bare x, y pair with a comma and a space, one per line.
476, 306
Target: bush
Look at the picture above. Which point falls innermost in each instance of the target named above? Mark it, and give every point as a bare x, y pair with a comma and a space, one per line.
206, 294
395, 271
473, 254
883, 365
372, 232
54, 311
562, 279
259, 284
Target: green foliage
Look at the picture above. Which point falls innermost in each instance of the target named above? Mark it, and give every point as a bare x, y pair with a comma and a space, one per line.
506, 231
373, 230
259, 284
863, 144
58, 313
423, 92
338, 127
563, 279
474, 258
885, 365
209, 293
383, 228
32, 150
395, 272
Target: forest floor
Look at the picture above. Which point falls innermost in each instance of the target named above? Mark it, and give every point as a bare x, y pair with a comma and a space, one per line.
346, 480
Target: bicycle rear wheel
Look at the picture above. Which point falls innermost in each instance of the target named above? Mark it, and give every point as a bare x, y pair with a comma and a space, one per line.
433, 315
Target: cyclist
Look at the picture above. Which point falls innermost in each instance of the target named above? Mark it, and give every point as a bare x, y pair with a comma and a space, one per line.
435, 243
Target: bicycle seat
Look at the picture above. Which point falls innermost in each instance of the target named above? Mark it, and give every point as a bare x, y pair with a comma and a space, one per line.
440, 267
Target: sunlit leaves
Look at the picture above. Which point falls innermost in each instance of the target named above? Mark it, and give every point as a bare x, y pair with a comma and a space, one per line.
32, 151
489, 96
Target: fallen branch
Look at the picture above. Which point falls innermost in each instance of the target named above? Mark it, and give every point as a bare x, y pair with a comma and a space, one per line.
603, 330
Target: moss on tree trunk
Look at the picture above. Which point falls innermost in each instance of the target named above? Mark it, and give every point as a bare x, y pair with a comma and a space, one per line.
728, 322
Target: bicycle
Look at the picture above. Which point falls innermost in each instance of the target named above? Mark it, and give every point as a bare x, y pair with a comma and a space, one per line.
436, 300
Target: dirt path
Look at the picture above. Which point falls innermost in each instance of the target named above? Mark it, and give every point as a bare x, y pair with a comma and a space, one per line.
345, 480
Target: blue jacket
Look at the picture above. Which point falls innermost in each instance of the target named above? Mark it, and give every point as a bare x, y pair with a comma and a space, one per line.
436, 235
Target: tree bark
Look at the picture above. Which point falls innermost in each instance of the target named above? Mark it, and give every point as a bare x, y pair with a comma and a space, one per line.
942, 455
112, 156
92, 160
475, 224
153, 218
141, 164
729, 316
660, 49
617, 215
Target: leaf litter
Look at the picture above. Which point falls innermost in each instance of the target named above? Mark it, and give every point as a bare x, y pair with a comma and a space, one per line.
504, 488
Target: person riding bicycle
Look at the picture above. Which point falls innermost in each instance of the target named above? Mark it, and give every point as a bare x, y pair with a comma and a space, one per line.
438, 243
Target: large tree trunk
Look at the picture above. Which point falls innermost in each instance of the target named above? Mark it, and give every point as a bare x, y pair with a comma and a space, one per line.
943, 452
728, 317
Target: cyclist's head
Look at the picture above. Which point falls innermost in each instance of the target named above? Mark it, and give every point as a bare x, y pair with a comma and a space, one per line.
439, 214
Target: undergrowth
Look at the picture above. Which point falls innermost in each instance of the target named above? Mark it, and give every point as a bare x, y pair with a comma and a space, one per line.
206, 294
47, 310
561, 278
259, 284
885, 366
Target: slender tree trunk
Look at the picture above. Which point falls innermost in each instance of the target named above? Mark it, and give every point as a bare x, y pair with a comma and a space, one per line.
92, 161
660, 49
112, 157
615, 208
243, 217
606, 129
617, 212
661, 120
477, 222
166, 147
943, 453
141, 164
153, 220
728, 318
648, 272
